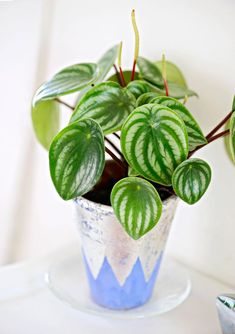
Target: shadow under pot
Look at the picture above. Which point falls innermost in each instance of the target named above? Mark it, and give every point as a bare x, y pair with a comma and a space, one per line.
121, 271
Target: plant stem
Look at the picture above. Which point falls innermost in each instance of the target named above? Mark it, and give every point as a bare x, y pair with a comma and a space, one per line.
114, 147
210, 140
137, 43
166, 87
210, 134
164, 75
65, 104
122, 77
133, 71
112, 155
118, 75
119, 62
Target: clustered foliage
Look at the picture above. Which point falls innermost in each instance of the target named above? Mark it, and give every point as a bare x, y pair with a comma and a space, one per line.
158, 136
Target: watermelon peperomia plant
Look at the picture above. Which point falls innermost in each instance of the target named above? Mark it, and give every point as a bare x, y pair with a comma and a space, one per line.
158, 134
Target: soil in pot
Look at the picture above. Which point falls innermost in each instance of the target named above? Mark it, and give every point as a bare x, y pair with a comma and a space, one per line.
113, 173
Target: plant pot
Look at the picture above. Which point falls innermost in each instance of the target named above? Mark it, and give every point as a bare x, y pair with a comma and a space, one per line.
121, 271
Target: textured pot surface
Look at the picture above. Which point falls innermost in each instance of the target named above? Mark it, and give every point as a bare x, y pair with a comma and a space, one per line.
121, 271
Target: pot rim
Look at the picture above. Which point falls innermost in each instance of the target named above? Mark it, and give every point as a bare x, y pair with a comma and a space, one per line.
103, 208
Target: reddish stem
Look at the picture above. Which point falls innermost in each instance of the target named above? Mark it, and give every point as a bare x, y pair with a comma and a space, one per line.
133, 71
122, 77
65, 104
118, 75
210, 140
166, 87
210, 134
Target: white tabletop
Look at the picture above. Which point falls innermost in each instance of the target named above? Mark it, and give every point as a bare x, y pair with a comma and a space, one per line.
28, 306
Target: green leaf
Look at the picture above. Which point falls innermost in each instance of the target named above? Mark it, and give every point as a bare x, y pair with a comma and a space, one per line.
195, 135
127, 76
173, 73
77, 158
132, 171
106, 103
104, 65
154, 142
191, 180
232, 135
68, 80
46, 121
233, 104
179, 92
149, 71
175, 91
106, 62
137, 205
138, 87
146, 98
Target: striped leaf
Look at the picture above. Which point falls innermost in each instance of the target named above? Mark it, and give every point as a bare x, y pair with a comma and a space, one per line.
232, 135
138, 87
195, 135
137, 205
104, 65
154, 142
150, 72
106, 103
146, 98
191, 180
68, 80
106, 62
46, 121
173, 73
77, 158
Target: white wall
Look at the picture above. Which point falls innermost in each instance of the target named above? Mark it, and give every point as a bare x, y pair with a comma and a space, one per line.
199, 36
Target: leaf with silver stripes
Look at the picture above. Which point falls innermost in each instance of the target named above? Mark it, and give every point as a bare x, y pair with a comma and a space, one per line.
108, 104
106, 62
232, 135
150, 72
154, 142
137, 205
104, 65
195, 135
146, 98
191, 180
77, 158
69, 80
138, 87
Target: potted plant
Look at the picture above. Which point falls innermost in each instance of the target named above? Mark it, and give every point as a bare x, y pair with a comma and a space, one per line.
125, 205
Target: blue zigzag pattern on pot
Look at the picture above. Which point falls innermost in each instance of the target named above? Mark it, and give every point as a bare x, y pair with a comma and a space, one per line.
107, 291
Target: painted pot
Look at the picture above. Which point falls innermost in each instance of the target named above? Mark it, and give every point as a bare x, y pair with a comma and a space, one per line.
121, 271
